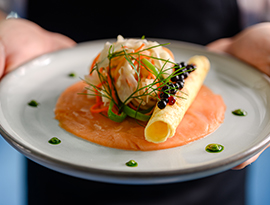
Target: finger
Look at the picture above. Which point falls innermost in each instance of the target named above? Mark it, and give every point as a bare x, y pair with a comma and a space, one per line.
220, 45
253, 46
248, 162
60, 41
47, 42
2, 59
251, 160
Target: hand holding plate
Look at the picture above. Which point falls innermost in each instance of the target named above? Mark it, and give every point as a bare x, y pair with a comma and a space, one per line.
22, 40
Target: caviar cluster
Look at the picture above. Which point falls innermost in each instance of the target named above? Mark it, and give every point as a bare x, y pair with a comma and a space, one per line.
168, 91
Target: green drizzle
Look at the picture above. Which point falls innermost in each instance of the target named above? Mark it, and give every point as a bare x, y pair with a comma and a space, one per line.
72, 75
214, 148
132, 163
239, 112
33, 103
54, 141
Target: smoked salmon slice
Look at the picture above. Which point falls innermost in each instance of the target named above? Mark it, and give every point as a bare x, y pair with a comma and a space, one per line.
72, 111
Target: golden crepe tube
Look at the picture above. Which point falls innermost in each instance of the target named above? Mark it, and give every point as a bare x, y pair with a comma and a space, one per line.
163, 122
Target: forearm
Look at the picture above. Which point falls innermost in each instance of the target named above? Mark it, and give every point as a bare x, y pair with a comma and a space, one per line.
2, 15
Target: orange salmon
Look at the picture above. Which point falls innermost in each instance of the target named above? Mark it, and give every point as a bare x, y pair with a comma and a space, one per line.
72, 111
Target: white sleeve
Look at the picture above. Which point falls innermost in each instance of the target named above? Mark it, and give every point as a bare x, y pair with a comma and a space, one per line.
254, 11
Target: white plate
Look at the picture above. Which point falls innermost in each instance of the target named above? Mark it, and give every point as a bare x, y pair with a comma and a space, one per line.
43, 79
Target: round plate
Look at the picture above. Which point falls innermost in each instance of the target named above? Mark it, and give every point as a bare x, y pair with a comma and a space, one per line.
43, 79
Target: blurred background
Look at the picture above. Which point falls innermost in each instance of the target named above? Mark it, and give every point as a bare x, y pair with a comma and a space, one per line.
13, 190
13, 187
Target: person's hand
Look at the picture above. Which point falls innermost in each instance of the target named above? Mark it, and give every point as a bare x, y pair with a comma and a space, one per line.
22, 40
252, 45
250, 160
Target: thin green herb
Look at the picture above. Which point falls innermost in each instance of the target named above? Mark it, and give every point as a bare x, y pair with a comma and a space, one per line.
151, 89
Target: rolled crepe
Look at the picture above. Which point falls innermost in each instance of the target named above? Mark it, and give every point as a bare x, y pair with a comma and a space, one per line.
163, 122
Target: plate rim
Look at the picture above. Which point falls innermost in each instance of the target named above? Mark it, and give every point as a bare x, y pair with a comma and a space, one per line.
135, 177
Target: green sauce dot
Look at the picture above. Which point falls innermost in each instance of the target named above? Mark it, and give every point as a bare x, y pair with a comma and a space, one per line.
132, 163
54, 141
33, 103
72, 75
239, 112
214, 148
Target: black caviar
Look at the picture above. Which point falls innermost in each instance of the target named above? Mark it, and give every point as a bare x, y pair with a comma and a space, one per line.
182, 71
164, 95
162, 104
175, 78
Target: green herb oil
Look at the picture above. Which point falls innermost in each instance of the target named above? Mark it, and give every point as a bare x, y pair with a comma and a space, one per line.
54, 141
214, 148
132, 163
239, 112
33, 103
72, 75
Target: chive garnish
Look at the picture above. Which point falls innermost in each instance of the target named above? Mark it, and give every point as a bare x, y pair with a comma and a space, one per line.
151, 89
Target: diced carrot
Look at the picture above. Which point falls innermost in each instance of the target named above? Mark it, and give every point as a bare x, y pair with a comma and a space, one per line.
151, 75
169, 51
96, 108
94, 63
98, 98
136, 50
